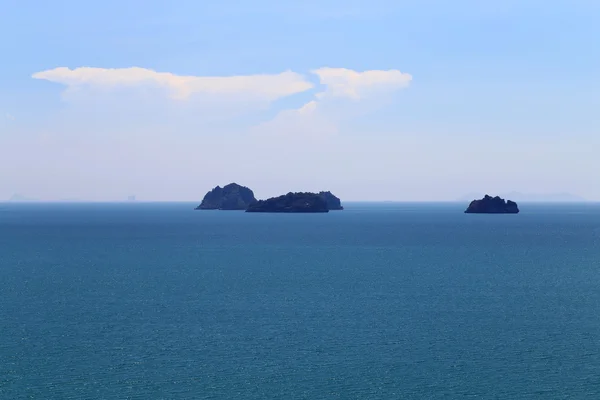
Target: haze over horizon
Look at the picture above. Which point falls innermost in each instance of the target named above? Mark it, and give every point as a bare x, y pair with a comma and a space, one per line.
515, 196
378, 100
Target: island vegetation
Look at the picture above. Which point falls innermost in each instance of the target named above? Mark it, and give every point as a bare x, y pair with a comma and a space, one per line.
299, 202
238, 197
229, 197
333, 202
492, 205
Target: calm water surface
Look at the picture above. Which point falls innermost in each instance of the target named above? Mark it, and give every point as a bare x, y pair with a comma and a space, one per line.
380, 301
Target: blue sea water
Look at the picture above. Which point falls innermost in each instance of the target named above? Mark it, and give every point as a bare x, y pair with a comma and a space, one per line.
379, 301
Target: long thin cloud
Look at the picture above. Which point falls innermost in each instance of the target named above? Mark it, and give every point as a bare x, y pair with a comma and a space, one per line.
265, 87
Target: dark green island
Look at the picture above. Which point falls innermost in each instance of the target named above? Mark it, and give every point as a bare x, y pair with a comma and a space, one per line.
333, 202
492, 205
229, 197
300, 202
237, 197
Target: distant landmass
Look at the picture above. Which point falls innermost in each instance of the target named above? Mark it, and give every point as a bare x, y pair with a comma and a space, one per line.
300, 202
18, 198
492, 205
131, 198
532, 197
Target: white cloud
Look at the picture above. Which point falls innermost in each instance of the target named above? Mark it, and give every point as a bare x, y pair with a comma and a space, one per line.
10, 117
323, 115
97, 94
342, 82
263, 87
338, 82
298, 125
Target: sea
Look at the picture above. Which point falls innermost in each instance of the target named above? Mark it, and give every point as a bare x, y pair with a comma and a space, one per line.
379, 301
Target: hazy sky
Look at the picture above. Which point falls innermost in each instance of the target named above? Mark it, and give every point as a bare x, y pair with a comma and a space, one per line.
373, 100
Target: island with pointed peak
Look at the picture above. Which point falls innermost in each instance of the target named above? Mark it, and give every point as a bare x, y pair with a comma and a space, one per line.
228, 197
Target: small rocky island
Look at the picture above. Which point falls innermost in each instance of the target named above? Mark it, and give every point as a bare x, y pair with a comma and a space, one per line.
492, 205
333, 202
300, 202
229, 197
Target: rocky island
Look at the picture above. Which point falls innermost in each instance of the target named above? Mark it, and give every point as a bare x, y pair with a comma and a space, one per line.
229, 197
492, 205
300, 202
333, 202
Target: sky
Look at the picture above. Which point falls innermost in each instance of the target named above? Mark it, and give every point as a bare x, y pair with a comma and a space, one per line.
374, 100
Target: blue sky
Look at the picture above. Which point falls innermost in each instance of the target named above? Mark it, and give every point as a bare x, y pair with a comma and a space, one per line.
374, 100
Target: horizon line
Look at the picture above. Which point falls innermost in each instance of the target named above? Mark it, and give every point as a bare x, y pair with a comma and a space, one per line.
343, 201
